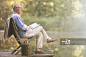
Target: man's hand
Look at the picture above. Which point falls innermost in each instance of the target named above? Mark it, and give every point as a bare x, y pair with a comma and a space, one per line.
29, 27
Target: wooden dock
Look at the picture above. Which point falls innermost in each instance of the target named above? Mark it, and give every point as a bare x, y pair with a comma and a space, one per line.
8, 54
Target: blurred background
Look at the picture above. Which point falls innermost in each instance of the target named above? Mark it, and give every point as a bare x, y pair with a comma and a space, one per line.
60, 18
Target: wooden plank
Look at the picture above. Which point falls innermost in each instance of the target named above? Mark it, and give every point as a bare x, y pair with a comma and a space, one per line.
8, 54
42, 55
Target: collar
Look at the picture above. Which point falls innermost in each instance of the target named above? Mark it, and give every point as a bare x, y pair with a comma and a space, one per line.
14, 13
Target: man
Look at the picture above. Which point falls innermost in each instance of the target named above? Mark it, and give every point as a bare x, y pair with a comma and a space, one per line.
27, 31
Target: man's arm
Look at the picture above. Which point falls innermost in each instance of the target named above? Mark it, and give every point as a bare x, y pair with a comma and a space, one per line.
21, 24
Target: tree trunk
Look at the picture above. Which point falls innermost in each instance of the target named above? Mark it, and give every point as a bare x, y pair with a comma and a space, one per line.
26, 49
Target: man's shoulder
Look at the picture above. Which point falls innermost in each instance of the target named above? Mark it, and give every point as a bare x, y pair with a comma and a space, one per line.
14, 16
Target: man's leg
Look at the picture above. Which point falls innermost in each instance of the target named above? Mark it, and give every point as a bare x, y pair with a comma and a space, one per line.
39, 41
47, 37
40, 33
39, 37
36, 31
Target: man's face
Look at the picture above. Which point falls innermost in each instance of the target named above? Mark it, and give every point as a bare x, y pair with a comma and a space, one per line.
18, 9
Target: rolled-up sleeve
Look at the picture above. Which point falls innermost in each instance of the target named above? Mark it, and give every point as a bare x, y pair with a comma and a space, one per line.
21, 24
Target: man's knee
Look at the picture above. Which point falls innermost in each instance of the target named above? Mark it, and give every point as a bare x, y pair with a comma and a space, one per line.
41, 27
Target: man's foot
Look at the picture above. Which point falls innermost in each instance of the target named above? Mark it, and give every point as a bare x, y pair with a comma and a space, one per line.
51, 40
40, 52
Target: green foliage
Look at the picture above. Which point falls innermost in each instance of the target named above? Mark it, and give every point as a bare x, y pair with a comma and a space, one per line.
48, 8
4, 12
48, 13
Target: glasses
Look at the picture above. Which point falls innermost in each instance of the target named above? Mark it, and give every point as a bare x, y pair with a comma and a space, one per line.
19, 7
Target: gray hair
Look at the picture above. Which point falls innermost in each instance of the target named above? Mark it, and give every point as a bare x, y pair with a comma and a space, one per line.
16, 5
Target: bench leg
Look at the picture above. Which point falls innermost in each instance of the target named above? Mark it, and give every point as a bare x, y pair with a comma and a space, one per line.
18, 52
16, 49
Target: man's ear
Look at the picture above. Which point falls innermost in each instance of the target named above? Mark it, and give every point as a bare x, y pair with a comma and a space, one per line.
14, 9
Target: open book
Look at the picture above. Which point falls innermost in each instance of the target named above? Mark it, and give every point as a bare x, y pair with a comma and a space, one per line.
34, 25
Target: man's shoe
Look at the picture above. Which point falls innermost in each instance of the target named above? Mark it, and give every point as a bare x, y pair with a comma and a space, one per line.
51, 40
40, 52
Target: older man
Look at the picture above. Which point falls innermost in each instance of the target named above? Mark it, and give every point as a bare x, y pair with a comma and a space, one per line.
27, 31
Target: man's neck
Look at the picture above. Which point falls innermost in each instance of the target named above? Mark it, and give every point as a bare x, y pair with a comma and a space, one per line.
16, 12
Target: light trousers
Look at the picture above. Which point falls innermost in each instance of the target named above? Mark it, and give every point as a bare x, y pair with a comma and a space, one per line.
40, 33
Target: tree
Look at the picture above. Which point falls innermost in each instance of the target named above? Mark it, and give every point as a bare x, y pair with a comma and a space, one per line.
48, 8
